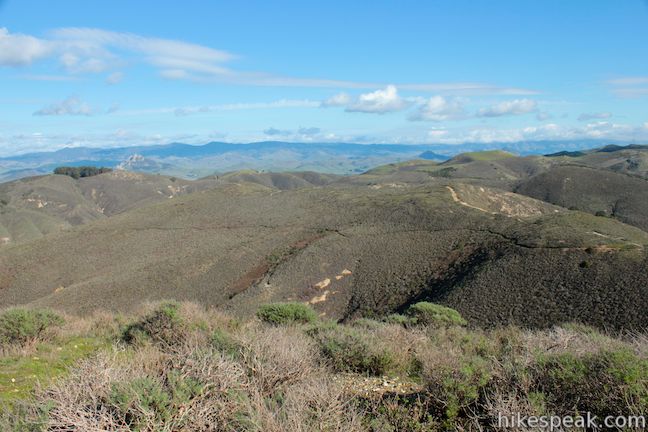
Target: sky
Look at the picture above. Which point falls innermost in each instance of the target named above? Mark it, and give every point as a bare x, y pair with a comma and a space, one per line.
119, 73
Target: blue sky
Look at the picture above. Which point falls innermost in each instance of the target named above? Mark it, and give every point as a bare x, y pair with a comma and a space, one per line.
117, 73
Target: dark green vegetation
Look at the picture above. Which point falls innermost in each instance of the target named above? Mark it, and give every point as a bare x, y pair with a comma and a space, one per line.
425, 313
603, 193
213, 372
80, 172
286, 313
22, 326
161, 326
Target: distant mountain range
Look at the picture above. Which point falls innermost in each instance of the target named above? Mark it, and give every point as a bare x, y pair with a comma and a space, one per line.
195, 161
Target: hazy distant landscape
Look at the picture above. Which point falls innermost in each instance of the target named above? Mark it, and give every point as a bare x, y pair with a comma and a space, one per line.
195, 161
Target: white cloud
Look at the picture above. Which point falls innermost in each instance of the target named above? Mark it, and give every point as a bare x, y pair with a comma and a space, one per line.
69, 106
379, 102
21, 50
309, 131
29, 142
189, 110
545, 132
276, 132
513, 107
174, 74
112, 108
637, 80
303, 133
438, 108
543, 116
565, 135
90, 50
604, 129
87, 50
39, 77
629, 87
75, 64
340, 99
436, 134
594, 116
114, 78
466, 88
165, 53
631, 92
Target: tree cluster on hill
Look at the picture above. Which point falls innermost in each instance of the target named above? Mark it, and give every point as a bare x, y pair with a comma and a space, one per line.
82, 171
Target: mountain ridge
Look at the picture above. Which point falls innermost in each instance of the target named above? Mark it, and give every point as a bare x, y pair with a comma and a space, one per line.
194, 161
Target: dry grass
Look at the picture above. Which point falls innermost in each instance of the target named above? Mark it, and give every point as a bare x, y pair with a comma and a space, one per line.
275, 378
100, 323
278, 357
82, 400
315, 404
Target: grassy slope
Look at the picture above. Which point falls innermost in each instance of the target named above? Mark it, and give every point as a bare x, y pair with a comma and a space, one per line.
21, 373
398, 242
33, 207
489, 155
593, 191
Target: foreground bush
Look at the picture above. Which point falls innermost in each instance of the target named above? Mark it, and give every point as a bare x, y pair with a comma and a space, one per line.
457, 368
223, 342
146, 400
277, 357
424, 313
286, 313
607, 383
350, 349
162, 326
21, 326
194, 388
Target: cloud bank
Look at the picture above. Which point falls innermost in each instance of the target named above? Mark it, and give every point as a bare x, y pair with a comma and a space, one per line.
81, 50
438, 108
506, 108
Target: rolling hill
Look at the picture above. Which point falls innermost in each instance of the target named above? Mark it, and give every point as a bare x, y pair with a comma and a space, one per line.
36, 206
498, 237
33, 207
348, 250
600, 192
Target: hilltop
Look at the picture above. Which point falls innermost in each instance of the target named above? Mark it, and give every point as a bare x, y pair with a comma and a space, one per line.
36, 206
